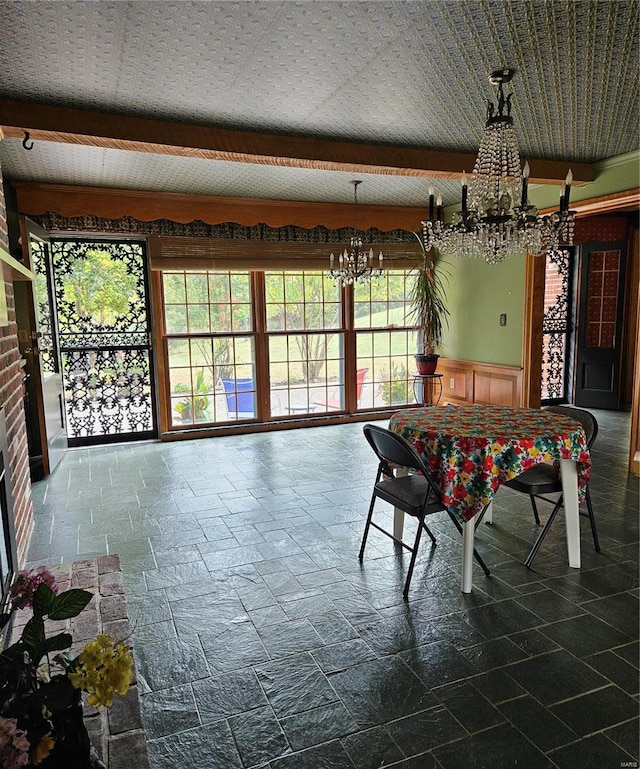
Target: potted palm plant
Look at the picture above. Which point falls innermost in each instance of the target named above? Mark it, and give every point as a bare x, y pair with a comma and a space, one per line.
428, 310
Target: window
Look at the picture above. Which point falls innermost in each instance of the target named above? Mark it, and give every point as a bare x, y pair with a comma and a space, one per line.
210, 347
246, 345
306, 342
385, 341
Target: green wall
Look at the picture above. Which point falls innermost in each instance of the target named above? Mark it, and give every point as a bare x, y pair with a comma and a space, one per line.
477, 293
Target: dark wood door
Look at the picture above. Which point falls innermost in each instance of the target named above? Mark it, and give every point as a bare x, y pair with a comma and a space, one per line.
8, 554
598, 353
39, 345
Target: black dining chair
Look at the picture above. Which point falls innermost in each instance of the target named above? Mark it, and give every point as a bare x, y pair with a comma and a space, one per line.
544, 479
415, 494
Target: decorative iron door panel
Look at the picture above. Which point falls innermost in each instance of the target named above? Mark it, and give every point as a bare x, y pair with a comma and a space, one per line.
600, 325
557, 326
105, 341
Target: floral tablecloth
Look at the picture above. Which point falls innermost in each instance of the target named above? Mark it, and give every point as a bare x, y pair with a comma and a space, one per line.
472, 450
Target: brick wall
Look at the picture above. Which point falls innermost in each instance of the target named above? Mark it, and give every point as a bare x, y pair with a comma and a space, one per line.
11, 398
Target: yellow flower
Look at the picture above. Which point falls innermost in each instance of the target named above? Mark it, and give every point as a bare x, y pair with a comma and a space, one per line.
42, 749
103, 668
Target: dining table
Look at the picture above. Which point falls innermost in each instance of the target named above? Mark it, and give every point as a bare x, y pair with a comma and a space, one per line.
472, 450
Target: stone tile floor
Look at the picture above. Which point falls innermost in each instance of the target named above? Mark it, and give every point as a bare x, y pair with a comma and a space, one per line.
261, 642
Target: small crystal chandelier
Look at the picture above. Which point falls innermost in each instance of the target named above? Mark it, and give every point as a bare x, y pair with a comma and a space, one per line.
496, 219
355, 265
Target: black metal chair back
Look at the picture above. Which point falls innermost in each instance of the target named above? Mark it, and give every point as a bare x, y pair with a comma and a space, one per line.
394, 451
586, 419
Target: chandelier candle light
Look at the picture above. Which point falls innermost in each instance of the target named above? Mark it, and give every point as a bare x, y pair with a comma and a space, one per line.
355, 265
496, 219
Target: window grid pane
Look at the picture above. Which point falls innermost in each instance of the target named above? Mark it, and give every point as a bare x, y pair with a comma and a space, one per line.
211, 373
602, 299
306, 370
306, 373
206, 301
211, 379
301, 301
386, 351
385, 302
388, 358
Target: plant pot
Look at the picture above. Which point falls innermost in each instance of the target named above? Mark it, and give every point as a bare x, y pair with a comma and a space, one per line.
72, 749
426, 364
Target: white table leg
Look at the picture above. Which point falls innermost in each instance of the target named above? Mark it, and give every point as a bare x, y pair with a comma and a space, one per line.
569, 479
398, 515
468, 530
398, 523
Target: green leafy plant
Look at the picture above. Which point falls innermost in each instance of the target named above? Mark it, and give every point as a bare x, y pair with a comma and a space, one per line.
428, 309
99, 288
194, 407
41, 681
394, 385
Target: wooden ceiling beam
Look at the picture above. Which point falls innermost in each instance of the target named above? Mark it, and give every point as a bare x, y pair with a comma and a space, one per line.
126, 132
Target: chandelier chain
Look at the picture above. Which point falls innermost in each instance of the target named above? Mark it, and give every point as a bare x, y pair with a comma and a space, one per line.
355, 264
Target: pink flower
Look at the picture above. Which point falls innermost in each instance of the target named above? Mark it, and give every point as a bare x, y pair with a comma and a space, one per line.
27, 583
14, 746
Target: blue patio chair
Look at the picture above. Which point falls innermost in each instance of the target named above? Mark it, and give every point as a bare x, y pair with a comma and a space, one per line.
240, 394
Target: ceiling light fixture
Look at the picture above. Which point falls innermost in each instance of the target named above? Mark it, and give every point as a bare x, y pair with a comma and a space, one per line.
496, 219
354, 264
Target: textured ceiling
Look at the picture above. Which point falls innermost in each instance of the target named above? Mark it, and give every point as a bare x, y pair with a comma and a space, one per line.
410, 74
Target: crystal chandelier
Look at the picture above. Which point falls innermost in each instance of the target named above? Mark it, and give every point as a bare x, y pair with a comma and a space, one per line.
355, 265
496, 219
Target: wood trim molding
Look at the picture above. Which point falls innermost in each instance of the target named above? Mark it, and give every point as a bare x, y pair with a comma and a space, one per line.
634, 448
35, 199
627, 200
159, 356
73, 201
532, 331
103, 129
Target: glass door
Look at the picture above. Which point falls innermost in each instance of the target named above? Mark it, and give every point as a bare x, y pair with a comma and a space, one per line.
39, 344
600, 337
105, 339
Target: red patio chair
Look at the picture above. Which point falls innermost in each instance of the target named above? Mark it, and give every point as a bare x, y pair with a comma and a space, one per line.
335, 402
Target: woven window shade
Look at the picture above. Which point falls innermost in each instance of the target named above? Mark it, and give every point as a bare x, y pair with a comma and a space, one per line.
181, 253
